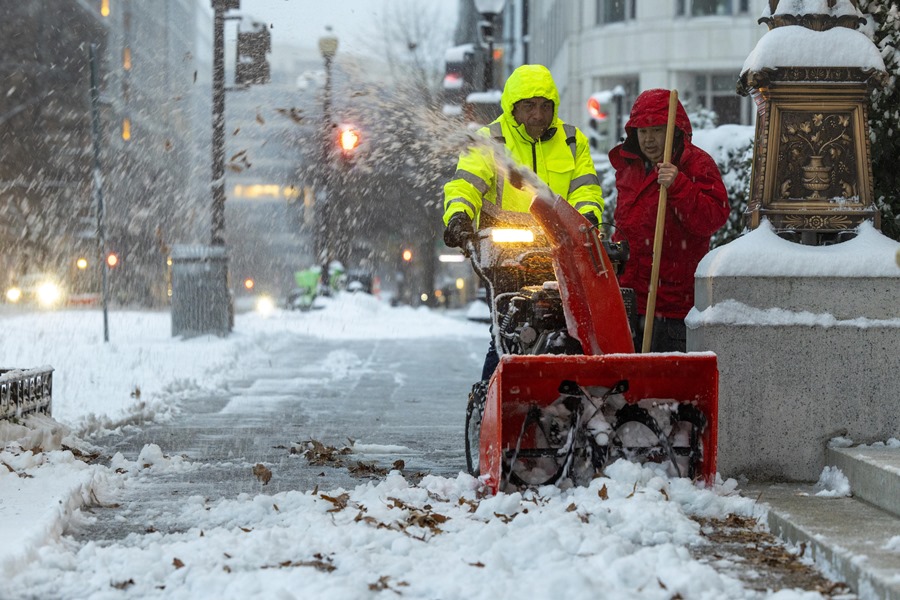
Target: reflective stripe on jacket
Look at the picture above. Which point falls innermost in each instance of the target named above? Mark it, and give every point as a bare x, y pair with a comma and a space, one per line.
561, 158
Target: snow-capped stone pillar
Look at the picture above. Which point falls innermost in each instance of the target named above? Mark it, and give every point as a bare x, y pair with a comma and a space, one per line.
807, 334
810, 76
808, 347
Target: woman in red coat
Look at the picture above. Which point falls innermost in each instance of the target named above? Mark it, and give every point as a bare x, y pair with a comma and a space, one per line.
697, 206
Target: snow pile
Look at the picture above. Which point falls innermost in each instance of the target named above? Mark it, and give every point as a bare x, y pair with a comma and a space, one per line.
626, 534
129, 380
761, 252
797, 46
893, 544
152, 459
833, 484
361, 316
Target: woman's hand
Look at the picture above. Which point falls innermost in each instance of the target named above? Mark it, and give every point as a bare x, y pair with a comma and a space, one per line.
666, 174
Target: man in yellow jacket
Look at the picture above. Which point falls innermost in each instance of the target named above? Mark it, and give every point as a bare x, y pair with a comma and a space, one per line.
531, 135
535, 138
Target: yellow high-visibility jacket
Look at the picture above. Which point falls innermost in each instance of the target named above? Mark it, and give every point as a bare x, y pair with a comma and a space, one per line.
561, 158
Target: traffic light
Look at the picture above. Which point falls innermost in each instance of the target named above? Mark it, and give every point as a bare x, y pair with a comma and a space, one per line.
112, 259
407, 255
597, 132
252, 67
605, 118
464, 73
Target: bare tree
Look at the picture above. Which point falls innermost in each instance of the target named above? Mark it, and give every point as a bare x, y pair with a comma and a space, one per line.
389, 191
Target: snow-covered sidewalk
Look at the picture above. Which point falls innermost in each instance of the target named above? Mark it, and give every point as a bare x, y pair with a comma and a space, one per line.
625, 536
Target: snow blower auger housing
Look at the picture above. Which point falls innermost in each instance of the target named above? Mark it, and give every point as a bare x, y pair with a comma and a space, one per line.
561, 418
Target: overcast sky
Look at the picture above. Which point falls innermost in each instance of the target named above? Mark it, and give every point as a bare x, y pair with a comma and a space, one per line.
302, 22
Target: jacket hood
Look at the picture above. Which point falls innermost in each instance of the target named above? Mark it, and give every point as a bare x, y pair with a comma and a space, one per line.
529, 81
651, 109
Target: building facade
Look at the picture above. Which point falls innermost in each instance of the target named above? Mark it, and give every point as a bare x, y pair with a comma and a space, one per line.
269, 130
157, 129
150, 120
695, 46
45, 132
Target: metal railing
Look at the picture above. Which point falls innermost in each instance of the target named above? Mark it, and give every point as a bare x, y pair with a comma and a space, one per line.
25, 391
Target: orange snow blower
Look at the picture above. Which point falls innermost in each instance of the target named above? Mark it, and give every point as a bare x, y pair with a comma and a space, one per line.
563, 412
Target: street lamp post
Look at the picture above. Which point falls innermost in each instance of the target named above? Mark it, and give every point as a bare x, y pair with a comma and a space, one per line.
328, 45
489, 10
218, 120
201, 303
98, 189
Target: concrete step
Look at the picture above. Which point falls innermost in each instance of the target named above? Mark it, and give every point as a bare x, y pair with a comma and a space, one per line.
855, 540
874, 474
848, 539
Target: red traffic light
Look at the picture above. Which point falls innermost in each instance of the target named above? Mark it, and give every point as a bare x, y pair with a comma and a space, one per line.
349, 139
595, 110
112, 259
407, 254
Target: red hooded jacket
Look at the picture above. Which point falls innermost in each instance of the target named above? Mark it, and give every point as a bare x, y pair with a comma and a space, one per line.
696, 207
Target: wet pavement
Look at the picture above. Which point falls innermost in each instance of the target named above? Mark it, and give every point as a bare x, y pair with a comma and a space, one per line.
396, 400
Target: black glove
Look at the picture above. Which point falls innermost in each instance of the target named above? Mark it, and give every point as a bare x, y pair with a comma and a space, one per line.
459, 231
592, 218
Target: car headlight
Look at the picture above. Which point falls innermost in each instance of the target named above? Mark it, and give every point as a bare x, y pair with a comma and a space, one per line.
14, 294
265, 306
48, 293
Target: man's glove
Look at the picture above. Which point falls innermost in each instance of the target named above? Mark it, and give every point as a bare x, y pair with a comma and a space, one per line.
592, 218
459, 231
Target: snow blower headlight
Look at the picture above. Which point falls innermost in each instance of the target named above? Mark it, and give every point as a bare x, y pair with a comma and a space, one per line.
512, 236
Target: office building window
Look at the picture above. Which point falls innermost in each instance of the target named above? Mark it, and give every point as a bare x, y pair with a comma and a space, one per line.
614, 11
716, 92
706, 8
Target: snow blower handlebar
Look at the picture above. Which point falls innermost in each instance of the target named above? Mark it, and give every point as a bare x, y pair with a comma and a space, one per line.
471, 251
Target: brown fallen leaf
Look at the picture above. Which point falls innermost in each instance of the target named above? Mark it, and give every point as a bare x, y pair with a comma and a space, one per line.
603, 493
262, 473
177, 563
339, 502
122, 585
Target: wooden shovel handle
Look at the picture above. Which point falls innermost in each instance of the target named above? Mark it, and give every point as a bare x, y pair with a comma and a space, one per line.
660, 226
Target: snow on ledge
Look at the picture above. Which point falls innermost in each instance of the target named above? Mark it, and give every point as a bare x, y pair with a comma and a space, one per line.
796, 46
762, 253
732, 312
